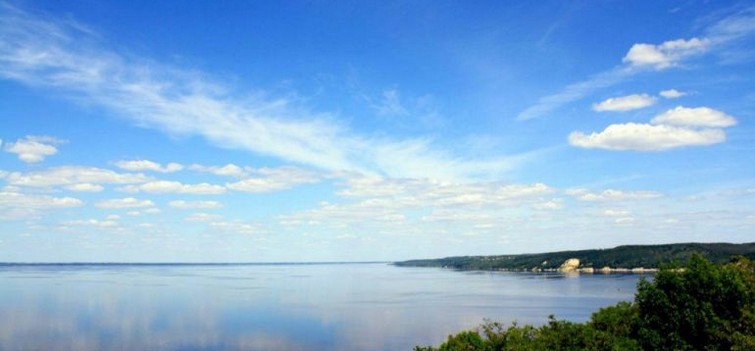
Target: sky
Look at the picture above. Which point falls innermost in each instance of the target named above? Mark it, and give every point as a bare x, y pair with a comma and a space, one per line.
290, 131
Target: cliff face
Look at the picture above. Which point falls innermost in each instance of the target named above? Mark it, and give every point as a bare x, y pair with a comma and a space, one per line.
569, 265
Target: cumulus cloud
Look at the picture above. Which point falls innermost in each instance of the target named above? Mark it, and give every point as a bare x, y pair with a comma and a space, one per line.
695, 117
613, 195
645, 137
238, 227
72, 176
202, 217
625, 103
273, 179
616, 213
230, 169
666, 54
107, 223
85, 187
672, 94
674, 128
17, 205
167, 186
554, 204
128, 202
33, 149
151, 210
182, 204
146, 165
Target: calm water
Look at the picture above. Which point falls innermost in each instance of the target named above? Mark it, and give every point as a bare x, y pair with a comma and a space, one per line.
278, 307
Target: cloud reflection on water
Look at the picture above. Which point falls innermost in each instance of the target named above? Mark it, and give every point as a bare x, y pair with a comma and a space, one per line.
314, 307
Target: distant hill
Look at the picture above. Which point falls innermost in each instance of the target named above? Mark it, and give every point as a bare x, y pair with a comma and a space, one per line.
629, 256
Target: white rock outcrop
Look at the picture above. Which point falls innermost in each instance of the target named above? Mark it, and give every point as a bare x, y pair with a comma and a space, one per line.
569, 265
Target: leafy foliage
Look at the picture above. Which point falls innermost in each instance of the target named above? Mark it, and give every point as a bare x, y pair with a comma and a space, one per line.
699, 306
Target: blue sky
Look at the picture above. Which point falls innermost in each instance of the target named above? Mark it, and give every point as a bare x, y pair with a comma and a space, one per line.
331, 131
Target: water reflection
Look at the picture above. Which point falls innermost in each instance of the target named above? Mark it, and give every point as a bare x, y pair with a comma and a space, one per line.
313, 307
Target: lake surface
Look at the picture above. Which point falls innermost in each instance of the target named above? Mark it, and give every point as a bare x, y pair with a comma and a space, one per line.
278, 307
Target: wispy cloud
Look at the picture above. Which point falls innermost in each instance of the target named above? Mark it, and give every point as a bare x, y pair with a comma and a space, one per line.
644, 56
574, 92
58, 55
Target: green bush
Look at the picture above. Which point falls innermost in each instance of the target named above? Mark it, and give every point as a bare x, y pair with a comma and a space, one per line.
701, 306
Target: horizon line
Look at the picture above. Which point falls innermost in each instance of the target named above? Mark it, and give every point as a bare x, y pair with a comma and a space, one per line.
281, 263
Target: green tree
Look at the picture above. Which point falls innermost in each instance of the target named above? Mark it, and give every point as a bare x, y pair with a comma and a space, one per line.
701, 307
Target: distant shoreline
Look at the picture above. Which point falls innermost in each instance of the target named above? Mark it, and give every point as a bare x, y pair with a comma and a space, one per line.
621, 259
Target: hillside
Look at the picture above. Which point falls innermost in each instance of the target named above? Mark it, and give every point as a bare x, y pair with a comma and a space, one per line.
629, 256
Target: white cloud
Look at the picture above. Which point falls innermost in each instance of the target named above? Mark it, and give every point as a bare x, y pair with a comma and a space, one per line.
695, 117
645, 137
665, 55
238, 227
613, 195
227, 170
390, 105
93, 223
428, 192
167, 186
272, 179
388, 201
616, 213
16, 205
668, 54
573, 92
182, 204
202, 217
624, 220
85, 187
735, 26
625, 103
128, 202
49, 54
554, 204
672, 94
146, 165
674, 128
33, 149
72, 175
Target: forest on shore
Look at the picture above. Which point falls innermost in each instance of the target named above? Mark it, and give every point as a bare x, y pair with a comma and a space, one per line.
627, 257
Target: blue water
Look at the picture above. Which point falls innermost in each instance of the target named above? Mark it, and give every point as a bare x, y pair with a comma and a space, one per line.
278, 307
